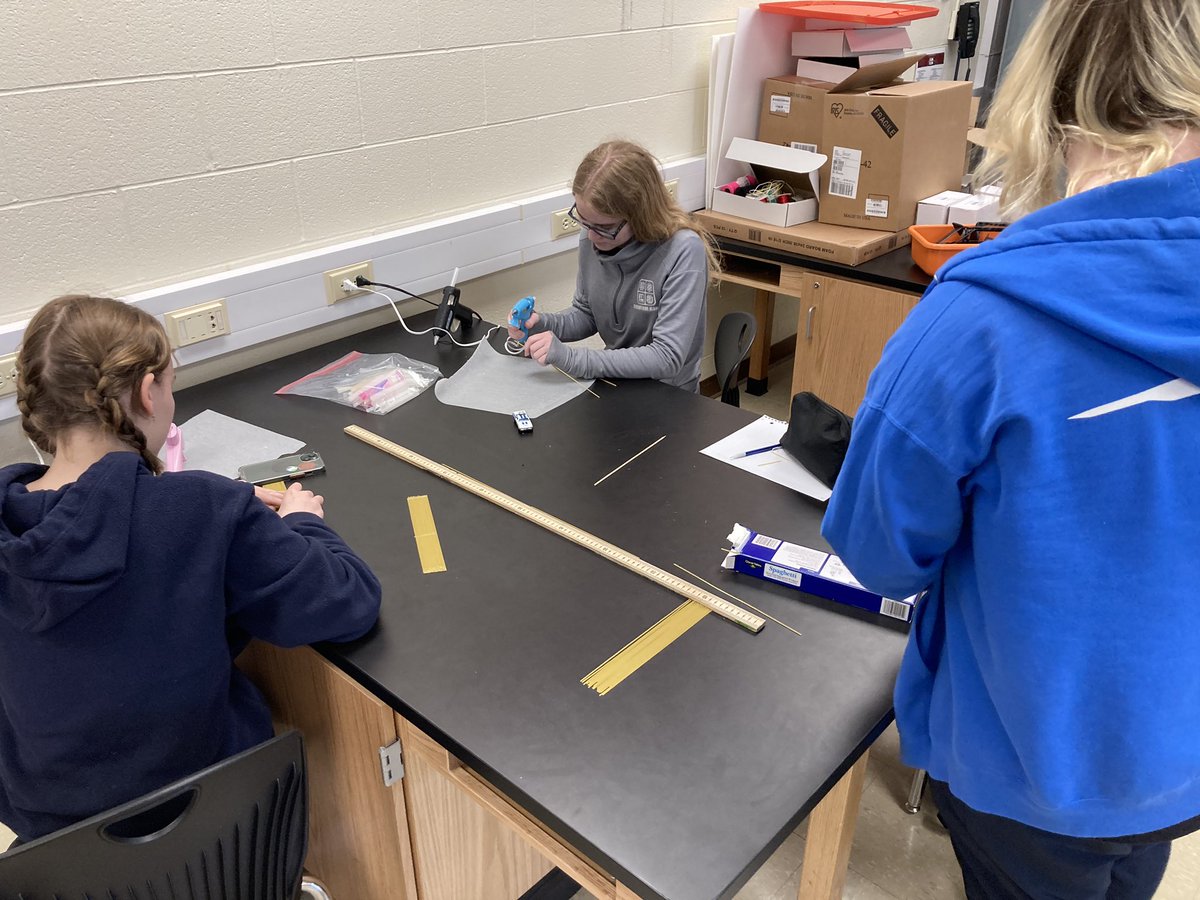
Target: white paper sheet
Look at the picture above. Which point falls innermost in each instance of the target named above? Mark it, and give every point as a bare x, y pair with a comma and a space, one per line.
774, 465
216, 443
494, 381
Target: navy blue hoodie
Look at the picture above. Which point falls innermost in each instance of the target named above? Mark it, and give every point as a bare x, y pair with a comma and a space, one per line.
1029, 450
124, 598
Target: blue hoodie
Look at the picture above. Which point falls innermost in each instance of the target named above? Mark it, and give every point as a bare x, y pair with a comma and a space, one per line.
124, 598
1029, 450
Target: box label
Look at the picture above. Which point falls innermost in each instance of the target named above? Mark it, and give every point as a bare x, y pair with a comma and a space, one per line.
799, 145
877, 207
770, 543
895, 609
781, 104
796, 557
884, 121
843, 176
835, 570
779, 573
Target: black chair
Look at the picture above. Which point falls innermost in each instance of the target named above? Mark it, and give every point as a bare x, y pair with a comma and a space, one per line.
735, 334
237, 830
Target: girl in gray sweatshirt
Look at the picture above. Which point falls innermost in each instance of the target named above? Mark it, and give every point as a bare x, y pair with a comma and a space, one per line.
643, 277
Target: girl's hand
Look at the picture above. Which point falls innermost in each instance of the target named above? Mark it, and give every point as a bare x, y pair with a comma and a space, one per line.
271, 498
538, 346
517, 334
297, 499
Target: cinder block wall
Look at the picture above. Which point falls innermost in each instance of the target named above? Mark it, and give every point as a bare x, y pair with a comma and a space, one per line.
144, 142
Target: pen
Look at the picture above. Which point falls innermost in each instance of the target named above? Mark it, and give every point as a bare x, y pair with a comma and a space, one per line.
759, 450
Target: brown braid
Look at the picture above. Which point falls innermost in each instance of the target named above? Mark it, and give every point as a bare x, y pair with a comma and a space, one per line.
80, 363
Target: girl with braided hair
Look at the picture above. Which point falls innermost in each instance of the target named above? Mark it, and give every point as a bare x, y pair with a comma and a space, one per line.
126, 593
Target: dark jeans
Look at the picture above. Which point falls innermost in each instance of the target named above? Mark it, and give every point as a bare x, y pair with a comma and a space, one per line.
1004, 860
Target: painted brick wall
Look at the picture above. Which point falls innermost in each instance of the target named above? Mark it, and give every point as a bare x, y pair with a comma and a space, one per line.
144, 142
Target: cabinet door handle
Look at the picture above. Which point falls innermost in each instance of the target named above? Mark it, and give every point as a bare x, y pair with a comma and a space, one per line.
812, 311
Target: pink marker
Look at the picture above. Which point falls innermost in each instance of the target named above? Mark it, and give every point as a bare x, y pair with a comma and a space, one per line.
175, 459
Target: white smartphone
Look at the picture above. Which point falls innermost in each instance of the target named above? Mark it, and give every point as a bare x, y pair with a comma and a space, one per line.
286, 467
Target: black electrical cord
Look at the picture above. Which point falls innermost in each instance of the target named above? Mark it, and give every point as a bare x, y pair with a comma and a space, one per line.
362, 282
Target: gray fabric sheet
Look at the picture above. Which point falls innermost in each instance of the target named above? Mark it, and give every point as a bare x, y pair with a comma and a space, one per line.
494, 381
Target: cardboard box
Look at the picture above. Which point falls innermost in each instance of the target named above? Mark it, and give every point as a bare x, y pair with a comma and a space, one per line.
973, 209
850, 41
849, 246
793, 106
808, 570
889, 146
769, 162
935, 210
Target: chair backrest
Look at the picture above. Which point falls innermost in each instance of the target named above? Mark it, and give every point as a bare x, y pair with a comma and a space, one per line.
237, 830
735, 334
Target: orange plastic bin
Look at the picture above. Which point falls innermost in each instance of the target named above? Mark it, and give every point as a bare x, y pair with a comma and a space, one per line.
928, 254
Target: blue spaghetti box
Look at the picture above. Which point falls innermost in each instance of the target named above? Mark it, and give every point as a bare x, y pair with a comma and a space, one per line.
808, 570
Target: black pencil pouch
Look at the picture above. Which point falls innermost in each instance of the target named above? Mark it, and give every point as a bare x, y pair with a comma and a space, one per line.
817, 436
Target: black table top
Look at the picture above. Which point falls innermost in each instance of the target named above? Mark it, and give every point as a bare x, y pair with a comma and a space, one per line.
683, 779
895, 270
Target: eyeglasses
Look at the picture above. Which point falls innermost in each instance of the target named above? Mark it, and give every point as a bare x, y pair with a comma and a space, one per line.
608, 232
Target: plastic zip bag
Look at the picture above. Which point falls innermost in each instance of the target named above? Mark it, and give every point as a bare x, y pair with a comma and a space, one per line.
373, 382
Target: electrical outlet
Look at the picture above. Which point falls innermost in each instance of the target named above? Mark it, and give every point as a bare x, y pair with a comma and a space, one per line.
197, 323
8, 374
334, 278
562, 225
673, 190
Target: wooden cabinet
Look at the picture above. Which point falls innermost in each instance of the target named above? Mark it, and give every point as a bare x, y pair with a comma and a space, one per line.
358, 842
840, 335
439, 833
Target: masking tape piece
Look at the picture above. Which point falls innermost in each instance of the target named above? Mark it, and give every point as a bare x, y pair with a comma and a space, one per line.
644, 647
275, 486
428, 546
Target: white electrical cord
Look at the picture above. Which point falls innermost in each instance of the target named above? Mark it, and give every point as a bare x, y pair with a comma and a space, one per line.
41, 460
509, 341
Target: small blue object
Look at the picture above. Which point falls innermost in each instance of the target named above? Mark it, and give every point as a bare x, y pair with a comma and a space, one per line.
761, 450
520, 315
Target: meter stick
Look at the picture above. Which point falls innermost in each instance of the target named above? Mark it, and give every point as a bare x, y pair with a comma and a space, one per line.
598, 546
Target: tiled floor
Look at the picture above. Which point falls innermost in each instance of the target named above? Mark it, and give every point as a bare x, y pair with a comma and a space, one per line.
895, 856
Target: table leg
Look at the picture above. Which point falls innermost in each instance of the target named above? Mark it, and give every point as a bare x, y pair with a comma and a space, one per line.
760, 353
830, 834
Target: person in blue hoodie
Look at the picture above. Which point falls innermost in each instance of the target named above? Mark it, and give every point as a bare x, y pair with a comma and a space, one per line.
1028, 451
126, 593
643, 278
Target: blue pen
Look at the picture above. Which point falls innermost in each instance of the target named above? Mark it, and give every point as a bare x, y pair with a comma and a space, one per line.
759, 450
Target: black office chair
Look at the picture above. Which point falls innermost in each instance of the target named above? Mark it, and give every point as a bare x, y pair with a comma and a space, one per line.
735, 334
237, 830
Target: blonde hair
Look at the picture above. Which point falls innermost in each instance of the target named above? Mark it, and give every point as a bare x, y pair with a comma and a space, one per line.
80, 358
621, 179
1119, 75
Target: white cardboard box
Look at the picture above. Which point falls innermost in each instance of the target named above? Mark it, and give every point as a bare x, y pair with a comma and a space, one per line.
973, 209
850, 41
935, 210
799, 168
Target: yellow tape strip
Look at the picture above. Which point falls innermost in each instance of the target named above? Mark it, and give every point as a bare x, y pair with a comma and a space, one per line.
428, 546
276, 486
644, 647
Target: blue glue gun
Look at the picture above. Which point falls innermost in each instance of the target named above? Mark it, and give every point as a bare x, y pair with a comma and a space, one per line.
520, 315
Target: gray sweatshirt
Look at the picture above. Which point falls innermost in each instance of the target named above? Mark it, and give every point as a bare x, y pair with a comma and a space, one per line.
647, 301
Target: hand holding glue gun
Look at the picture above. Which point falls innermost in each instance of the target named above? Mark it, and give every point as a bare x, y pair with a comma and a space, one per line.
521, 319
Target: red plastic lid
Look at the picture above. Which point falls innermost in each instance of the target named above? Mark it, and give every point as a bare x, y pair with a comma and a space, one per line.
856, 13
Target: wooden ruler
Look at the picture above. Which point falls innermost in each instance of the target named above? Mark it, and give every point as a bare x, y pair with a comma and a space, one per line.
615, 554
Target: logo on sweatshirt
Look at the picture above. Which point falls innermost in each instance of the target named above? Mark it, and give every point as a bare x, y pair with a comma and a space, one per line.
1179, 389
645, 295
